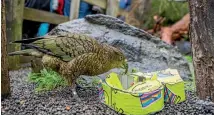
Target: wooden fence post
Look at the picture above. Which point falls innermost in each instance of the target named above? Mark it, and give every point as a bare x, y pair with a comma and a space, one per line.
100, 3
74, 9
5, 80
112, 8
14, 19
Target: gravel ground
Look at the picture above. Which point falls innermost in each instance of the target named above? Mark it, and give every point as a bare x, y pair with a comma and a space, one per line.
60, 102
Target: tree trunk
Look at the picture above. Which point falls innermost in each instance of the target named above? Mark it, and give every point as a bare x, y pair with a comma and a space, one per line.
14, 18
202, 38
5, 80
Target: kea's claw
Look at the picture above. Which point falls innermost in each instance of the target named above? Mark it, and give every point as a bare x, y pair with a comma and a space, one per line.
75, 95
126, 68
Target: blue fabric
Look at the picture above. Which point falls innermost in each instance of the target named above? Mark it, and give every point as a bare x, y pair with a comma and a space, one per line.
85, 9
124, 4
43, 29
67, 8
129, 2
51, 3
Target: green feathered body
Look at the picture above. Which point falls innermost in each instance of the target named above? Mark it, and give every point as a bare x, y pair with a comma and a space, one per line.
73, 55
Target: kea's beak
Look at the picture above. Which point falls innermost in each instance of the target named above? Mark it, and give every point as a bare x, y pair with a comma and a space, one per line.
125, 66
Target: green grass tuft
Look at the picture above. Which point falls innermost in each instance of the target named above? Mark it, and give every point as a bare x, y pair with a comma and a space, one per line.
190, 85
47, 80
188, 58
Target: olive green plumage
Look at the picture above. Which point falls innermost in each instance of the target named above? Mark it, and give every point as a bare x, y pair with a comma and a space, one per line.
73, 55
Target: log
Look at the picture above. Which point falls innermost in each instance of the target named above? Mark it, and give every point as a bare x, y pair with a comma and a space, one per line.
74, 9
5, 80
112, 8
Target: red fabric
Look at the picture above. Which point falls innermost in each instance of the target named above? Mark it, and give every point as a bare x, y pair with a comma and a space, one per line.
60, 7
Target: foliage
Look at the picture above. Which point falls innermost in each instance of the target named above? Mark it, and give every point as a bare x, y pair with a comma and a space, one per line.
189, 58
190, 85
134, 70
95, 81
88, 82
171, 10
47, 80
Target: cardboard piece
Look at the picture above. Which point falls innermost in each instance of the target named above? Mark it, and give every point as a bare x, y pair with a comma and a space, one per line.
142, 97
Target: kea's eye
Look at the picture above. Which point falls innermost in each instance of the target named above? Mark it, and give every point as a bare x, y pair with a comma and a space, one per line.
121, 58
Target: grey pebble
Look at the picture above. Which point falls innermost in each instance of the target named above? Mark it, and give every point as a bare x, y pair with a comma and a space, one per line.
55, 102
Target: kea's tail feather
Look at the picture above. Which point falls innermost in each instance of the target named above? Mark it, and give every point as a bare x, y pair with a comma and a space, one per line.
27, 52
27, 41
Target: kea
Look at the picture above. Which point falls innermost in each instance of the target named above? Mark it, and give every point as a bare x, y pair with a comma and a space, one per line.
72, 55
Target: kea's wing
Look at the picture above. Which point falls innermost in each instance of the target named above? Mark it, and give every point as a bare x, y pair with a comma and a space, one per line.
65, 47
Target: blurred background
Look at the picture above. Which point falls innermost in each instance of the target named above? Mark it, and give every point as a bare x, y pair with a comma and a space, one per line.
166, 19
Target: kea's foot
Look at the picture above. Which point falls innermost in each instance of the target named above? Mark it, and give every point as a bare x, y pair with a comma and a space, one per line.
75, 95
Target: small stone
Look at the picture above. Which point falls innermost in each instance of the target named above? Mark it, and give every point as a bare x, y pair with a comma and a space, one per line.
178, 113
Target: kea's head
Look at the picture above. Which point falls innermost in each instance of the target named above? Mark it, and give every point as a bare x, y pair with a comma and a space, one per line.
118, 59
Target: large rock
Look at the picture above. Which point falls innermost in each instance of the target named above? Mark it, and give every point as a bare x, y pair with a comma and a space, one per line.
143, 50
